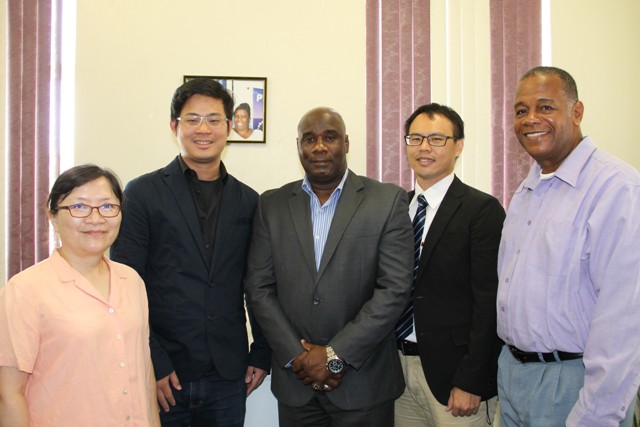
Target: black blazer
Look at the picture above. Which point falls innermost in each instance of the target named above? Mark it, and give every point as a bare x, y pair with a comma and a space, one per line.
455, 294
196, 311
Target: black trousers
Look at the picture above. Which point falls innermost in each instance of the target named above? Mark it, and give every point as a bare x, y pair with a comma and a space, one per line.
320, 412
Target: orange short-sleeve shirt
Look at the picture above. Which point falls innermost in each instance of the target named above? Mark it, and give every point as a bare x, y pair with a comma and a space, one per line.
88, 358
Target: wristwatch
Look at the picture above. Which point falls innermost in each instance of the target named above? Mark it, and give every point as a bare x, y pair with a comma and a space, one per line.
335, 365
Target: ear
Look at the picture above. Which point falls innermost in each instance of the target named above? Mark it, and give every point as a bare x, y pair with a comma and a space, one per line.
576, 112
174, 127
53, 219
459, 146
346, 143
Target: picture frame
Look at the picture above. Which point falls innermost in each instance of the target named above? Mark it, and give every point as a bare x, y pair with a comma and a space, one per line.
249, 118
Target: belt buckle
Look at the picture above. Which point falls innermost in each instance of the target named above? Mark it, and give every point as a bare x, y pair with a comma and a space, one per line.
516, 354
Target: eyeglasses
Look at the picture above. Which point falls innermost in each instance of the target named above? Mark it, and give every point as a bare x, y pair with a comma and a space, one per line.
80, 210
194, 120
434, 140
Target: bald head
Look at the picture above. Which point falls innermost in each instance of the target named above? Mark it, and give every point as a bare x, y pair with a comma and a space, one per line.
322, 147
320, 114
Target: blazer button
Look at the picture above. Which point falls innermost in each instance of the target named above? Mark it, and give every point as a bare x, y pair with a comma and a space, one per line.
316, 301
210, 316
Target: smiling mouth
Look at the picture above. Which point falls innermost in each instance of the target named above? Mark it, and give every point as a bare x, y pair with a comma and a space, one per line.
203, 142
425, 161
535, 134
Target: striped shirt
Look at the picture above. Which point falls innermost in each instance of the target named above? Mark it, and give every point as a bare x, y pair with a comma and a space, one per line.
322, 215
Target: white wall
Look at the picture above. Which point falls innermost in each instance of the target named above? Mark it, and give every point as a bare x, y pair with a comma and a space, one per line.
597, 42
131, 55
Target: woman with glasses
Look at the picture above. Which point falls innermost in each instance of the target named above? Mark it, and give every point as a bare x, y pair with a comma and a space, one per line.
74, 335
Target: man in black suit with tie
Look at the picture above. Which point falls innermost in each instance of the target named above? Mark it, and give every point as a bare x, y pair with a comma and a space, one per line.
186, 230
447, 335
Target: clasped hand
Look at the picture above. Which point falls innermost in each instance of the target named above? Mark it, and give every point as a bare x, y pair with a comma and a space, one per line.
311, 367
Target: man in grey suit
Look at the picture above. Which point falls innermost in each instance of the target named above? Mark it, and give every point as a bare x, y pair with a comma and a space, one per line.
330, 269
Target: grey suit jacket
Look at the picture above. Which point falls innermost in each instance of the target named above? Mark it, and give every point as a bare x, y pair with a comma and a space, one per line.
352, 302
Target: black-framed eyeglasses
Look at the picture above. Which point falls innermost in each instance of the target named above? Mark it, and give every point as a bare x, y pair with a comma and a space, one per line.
80, 210
194, 120
434, 140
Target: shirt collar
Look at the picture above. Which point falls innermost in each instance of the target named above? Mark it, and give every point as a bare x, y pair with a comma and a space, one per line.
187, 171
306, 186
434, 194
569, 169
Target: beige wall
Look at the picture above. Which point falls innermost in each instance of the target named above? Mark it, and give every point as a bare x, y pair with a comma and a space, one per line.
131, 55
597, 42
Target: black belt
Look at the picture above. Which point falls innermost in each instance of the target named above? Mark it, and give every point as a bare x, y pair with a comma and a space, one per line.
408, 348
555, 356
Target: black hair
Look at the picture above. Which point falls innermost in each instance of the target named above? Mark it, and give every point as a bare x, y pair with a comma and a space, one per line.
78, 176
431, 110
244, 106
201, 86
568, 83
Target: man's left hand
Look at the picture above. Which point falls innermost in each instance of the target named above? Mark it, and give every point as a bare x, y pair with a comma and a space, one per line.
462, 404
253, 378
311, 366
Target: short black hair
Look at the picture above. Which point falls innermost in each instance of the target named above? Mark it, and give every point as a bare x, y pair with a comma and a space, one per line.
201, 86
244, 106
568, 83
78, 176
437, 109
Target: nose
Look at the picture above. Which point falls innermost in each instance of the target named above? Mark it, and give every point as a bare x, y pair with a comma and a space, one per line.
319, 145
424, 145
203, 127
95, 216
531, 117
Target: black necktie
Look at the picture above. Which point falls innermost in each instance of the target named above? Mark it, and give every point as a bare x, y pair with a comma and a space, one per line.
405, 324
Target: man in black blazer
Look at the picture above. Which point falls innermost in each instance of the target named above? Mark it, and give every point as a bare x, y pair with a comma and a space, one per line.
329, 274
449, 347
186, 231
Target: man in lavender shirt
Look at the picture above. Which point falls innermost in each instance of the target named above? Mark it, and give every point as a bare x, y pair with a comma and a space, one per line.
569, 270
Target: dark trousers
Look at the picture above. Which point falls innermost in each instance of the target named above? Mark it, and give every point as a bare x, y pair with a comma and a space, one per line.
211, 401
320, 412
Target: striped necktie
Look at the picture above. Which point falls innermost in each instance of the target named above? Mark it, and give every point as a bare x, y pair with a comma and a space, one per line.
405, 324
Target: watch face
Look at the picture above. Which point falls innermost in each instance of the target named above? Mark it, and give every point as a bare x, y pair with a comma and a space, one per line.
335, 366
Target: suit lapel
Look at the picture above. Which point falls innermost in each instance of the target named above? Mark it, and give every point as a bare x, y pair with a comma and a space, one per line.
179, 187
300, 213
350, 199
446, 211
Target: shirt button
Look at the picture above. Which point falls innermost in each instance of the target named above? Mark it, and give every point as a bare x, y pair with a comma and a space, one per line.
518, 251
529, 222
111, 310
125, 391
506, 280
118, 336
122, 364
317, 237
502, 308
128, 417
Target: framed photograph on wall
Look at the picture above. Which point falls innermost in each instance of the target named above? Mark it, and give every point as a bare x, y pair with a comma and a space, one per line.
249, 120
